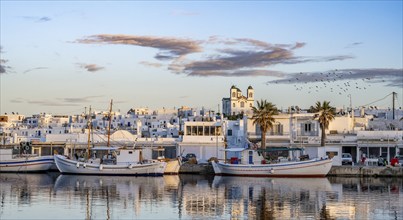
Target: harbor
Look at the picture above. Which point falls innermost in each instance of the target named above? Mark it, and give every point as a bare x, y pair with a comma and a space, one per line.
237, 142
201, 110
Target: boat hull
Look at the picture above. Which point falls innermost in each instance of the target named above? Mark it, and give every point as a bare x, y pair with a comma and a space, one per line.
29, 164
172, 167
309, 168
67, 166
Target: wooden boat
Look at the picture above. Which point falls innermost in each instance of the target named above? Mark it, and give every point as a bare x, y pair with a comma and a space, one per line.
10, 162
173, 165
118, 162
252, 163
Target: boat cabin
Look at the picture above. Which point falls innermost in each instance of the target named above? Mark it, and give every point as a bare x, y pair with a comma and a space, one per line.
6, 154
273, 155
242, 156
118, 156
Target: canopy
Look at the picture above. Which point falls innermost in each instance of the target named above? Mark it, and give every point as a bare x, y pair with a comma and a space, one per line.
273, 149
105, 148
237, 149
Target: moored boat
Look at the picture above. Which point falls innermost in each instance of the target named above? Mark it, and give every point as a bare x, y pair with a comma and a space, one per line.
10, 162
252, 163
172, 164
125, 161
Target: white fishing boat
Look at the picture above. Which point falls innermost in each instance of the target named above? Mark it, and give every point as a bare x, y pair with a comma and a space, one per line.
109, 160
10, 162
124, 161
252, 163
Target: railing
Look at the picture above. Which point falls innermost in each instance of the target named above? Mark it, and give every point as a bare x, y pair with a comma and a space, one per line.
308, 133
268, 133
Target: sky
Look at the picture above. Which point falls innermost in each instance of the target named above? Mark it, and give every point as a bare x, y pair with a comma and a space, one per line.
62, 56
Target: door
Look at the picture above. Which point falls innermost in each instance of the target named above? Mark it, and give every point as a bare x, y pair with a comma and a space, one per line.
250, 161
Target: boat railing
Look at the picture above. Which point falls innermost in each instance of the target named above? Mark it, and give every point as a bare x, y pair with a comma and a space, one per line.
24, 155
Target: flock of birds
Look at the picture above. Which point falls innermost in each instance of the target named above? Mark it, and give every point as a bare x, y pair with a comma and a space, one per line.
338, 83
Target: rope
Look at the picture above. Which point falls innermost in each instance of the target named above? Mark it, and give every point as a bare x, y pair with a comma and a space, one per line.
378, 100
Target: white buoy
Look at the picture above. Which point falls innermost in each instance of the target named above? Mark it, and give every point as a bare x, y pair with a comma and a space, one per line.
84, 165
130, 166
78, 165
101, 167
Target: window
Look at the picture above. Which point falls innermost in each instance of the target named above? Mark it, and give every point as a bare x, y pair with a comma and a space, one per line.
331, 154
229, 132
188, 130
307, 127
242, 104
218, 131
233, 105
251, 95
207, 131
278, 128
233, 94
200, 130
250, 105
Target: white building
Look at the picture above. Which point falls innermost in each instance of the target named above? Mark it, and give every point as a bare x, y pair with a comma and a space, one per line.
238, 103
204, 139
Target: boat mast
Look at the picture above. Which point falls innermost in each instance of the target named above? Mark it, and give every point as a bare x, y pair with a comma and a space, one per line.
89, 132
110, 121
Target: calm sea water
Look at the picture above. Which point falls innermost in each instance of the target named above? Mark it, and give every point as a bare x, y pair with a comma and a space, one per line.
54, 196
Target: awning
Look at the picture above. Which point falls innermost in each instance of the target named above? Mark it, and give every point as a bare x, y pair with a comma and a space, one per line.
104, 148
273, 149
237, 149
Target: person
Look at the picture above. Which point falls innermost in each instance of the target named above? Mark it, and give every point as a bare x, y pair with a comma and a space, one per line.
394, 162
381, 161
76, 155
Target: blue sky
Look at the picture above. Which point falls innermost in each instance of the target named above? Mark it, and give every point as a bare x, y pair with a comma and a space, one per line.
62, 56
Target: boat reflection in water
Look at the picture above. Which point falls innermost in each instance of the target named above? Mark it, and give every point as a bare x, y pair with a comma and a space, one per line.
316, 198
268, 198
54, 196
111, 197
21, 189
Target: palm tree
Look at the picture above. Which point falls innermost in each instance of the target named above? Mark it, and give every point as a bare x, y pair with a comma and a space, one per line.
263, 116
325, 114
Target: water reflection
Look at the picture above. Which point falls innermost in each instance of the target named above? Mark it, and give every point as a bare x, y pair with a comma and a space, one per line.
29, 196
22, 187
116, 195
267, 198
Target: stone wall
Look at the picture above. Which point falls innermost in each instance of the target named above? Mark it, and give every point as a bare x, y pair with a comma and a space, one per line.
360, 171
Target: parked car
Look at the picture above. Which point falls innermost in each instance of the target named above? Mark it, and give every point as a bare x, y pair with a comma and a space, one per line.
188, 157
346, 158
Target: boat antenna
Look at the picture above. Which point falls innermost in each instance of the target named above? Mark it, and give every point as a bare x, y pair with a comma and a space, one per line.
110, 121
89, 132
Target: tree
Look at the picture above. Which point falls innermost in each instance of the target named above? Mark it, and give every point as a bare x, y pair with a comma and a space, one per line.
325, 114
263, 116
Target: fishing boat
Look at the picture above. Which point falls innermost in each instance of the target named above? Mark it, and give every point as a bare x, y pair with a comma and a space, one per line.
10, 162
119, 161
251, 163
109, 160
